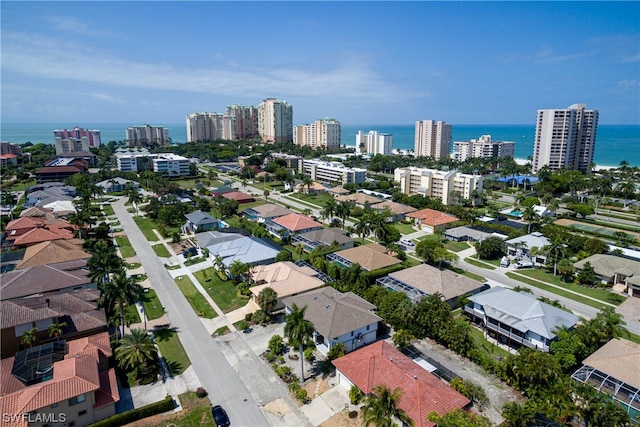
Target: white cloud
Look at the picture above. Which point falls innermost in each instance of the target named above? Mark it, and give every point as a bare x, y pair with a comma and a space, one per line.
626, 85
75, 25
548, 56
632, 58
44, 57
106, 97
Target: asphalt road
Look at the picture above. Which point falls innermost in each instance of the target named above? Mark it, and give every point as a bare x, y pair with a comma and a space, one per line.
212, 368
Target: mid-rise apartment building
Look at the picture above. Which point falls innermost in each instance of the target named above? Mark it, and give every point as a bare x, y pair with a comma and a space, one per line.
291, 161
246, 120
432, 139
565, 138
275, 121
147, 135
374, 142
323, 133
75, 140
332, 172
10, 148
482, 147
168, 164
447, 186
210, 126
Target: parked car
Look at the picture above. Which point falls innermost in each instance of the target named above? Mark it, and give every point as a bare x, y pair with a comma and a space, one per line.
407, 242
220, 416
192, 251
504, 262
524, 264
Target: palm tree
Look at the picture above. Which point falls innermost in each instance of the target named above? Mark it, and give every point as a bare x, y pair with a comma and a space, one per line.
121, 291
627, 188
134, 197
330, 208
299, 247
343, 209
530, 215
308, 182
103, 263
382, 408
136, 350
29, 337
298, 330
57, 329
518, 415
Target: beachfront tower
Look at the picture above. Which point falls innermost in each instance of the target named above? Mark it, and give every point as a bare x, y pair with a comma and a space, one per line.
432, 139
565, 138
275, 121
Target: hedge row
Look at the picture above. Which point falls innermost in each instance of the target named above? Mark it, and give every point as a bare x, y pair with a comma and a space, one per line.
137, 414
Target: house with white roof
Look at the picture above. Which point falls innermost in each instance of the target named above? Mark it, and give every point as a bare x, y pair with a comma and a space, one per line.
246, 249
518, 317
523, 244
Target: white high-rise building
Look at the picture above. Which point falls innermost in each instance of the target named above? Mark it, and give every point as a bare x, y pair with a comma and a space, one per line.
324, 133
448, 186
565, 138
275, 121
482, 147
432, 139
210, 126
147, 135
75, 140
374, 142
332, 173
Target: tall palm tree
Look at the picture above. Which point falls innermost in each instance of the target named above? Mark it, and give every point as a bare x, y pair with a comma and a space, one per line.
298, 330
381, 408
530, 215
518, 415
136, 350
134, 197
343, 209
627, 188
120, 291
330, 208
308, 182
103, 263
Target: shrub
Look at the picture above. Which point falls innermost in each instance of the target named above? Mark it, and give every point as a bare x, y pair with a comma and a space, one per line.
201, 392
137, 414
260, 317
353, 414
269, 356
276, 345
247, 317
242, 325
294, 386
301, 394
355, 395
336, 351
309, 354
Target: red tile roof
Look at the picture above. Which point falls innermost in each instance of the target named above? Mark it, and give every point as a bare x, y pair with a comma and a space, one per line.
423, 392
41, 234
433, 217
238, 196
58, 169
297, 222
24, 223
8, 156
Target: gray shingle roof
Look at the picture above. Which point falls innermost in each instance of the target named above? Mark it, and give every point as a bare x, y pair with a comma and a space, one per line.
199, 218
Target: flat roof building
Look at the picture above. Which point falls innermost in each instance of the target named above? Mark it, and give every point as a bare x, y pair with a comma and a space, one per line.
333, 172
482, 147
447, 186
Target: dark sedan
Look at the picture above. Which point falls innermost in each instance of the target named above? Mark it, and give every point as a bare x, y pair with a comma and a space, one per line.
220, 416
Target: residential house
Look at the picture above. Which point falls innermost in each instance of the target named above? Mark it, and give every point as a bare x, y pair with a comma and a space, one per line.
423, 280
398, 211
614, 369
115, 185
337, 318
238, 196
313, 188
53, 252
471, 234
361, 200
286, 279
45, 279
60, 169
28, 231
431, 221
77, 309
381, 364
266, 212
338, 191
68, 382
219, 191
520, 246
518, 317
246, 249
323, 237
8, 159
612, 269
368, 257
289, 225
198, 221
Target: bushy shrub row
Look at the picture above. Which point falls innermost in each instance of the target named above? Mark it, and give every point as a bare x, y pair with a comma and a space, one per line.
137, 414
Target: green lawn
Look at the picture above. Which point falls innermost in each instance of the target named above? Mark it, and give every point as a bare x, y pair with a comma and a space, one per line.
489, 349
152, 305
172, 351
244, 206
108, 210
318, 200
131, 313
224, 293
296, 257
557, 291
468, 274
125, 247
195, 412
456, 246
146, 225
134, 265
477, 263
195, 260
161, 250
195, 298
542, 274
404, 228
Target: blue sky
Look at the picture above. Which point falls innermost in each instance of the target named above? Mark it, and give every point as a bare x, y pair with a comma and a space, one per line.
360, 62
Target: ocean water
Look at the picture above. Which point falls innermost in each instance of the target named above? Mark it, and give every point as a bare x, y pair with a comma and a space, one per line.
614, 143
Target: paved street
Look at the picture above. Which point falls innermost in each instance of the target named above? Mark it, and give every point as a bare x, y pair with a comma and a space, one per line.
215, 374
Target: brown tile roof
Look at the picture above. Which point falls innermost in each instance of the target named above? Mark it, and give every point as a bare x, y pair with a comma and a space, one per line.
338, 190
42, 234
99, 342
315, 186
296, 222
328, 236
238, 196
423, 392
433, 217
433, 280
285, 278
52, 252
333, 313
35, 211
43, 278
619, 358
58, 169
394, 207
270, 210
359, 198
108, 392
370, 257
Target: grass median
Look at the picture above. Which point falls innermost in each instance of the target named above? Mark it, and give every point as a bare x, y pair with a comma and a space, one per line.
152, 305
480, 264
125, 247
146, 226
161, 250
224, 293
195, 298
172, 351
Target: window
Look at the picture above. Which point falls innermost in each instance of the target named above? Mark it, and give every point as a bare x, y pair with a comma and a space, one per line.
77, 399
83, 412
55, 405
